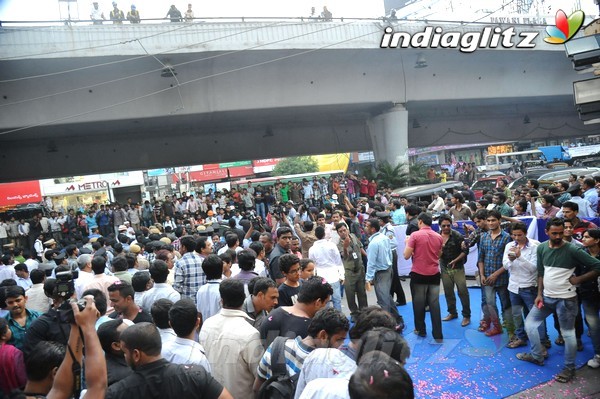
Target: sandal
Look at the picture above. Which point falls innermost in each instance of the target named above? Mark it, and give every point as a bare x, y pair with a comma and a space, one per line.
559, 341
516, 343
528, 357
565, 375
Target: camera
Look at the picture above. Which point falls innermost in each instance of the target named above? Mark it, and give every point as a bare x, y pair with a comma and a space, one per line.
65, 312
65, 286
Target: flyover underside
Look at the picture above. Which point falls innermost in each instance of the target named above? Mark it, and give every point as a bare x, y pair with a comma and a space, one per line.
120, 115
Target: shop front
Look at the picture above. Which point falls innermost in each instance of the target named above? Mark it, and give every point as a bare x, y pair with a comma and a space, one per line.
81, 191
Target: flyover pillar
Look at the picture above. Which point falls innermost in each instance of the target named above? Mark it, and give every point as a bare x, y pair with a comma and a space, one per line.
389, 135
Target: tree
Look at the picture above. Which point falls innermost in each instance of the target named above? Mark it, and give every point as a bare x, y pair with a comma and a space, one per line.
399, 175
296, 165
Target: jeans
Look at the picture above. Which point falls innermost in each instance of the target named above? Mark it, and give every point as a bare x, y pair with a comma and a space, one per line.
491, 310
521, 305
451, 277
336, 298
423, 295
566, 309
355, 287
260, 211
591, 307
383, 282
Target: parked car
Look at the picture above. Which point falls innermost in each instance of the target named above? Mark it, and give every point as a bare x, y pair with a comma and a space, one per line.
485, 184
425, 191
547, 176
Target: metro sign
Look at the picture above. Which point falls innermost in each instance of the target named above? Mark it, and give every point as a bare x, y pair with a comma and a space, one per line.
94, 185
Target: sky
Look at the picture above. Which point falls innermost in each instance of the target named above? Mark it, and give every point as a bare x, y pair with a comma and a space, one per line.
44, 10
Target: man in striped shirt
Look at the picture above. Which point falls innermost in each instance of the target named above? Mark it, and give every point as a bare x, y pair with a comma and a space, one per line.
327, 329
189, 276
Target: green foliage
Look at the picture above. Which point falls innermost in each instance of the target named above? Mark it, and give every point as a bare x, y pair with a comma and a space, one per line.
400, 175
295, 165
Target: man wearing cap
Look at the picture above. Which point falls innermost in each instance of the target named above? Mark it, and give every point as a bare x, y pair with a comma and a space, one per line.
96, 15
116, 15
133, 16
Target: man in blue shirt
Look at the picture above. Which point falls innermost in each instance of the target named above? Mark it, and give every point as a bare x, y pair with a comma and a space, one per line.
494, 276
379, 269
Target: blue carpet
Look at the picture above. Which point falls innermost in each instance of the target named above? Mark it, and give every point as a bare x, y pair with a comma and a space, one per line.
470, 365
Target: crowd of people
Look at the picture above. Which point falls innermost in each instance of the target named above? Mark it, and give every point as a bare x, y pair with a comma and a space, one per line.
238, 292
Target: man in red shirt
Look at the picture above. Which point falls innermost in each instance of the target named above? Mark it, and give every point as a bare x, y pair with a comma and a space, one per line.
425, 248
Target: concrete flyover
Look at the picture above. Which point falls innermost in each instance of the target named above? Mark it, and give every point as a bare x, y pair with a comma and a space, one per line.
86, 99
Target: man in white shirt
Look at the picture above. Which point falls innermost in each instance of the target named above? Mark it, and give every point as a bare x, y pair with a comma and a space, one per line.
328, 264
159, 271
437, 205
36, 298
84, 262
22, 273
184, 320
160, 316
520, 259
235, 367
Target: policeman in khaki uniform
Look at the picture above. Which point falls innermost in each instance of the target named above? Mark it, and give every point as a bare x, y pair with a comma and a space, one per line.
388, 229
351, 250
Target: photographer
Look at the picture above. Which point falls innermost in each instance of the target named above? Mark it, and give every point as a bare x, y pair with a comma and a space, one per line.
66, 383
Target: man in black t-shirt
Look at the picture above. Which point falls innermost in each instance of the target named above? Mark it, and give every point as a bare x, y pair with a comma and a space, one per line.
154, 376
293, 321
284, 242
121, 296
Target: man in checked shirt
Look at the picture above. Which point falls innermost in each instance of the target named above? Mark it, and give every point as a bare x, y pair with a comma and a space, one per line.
189, 276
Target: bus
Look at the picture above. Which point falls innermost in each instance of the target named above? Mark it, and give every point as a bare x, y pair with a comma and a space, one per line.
270, 181
524, 159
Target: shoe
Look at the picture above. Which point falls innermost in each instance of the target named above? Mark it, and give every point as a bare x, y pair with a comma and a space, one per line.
528, 357
566, 375
483, 326
465, 321
559, 341
594, 362
579, 346
496, 329
420, 334
516, 343
450, 317
547, 343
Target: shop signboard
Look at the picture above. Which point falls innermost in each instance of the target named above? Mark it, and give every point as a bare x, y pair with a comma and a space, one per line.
92, 183
216, 174
265, 165
24, 192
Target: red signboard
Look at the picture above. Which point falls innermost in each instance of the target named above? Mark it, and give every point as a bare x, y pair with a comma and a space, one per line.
266, 162
216, 174
24, 192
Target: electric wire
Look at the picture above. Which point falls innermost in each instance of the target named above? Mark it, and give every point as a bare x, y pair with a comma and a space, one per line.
117, 104
156, 70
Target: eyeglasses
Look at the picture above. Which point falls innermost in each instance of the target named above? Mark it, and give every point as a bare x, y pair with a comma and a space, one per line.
444, 225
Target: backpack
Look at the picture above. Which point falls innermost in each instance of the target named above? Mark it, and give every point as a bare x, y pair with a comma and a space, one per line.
280, 385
